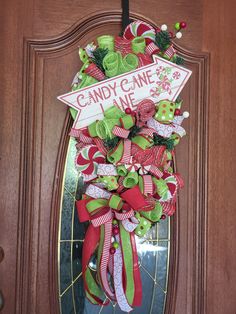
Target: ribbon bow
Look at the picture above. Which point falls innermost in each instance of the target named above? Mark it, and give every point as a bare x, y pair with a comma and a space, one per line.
103, 212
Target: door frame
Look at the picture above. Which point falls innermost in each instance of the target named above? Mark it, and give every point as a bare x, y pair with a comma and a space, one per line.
36, 51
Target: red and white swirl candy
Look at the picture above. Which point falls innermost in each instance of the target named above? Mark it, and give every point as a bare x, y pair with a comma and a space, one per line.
139, 28
172, 185
88, 159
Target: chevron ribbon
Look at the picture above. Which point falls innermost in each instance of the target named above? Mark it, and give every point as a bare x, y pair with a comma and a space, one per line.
120, 132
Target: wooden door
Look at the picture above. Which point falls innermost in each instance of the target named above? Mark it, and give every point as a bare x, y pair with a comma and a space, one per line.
39, 42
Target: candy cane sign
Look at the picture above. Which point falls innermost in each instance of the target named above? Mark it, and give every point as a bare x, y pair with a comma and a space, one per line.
126, 90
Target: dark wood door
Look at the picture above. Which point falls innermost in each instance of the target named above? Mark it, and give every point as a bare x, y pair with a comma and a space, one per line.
38, 58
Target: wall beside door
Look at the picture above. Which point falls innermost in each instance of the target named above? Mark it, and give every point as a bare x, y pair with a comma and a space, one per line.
210, 29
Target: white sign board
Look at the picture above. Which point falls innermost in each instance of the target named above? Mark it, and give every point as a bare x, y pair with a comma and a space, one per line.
160, 80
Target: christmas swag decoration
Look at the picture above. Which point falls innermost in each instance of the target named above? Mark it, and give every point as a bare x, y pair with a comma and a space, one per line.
127, 122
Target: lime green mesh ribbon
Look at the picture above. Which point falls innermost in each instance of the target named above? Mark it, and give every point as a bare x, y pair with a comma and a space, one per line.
142, 141
112, 117
114, 64
115, 155
130, 180
86, 80
138, 45
106, 42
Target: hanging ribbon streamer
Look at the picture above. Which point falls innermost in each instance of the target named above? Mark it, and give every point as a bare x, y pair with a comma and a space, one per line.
125, 14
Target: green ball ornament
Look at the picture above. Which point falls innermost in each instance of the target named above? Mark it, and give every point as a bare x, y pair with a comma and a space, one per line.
116, 245
177, 26
114, 222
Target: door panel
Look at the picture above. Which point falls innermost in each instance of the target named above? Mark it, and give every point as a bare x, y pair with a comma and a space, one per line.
45, 146
34, 140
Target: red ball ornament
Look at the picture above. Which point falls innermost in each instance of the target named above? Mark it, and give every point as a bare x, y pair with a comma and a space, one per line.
128, 111
177, 112
112, 250
171, 34
163, 217
183, 24
115, 230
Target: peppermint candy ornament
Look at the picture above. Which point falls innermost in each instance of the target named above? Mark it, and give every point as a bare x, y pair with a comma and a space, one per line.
166, 187
138, 28
88, 159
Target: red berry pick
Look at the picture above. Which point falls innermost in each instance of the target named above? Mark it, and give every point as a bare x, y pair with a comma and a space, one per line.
115, 230
171, 34
183, 24
177, 112
112, 250
163, 217
128, 110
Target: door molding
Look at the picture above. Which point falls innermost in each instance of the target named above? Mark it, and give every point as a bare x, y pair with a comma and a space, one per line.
191, 214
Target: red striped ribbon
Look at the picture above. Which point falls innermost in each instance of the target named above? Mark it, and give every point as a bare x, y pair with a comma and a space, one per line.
170, 52
121, 132
147, 131
147, 185
105, 259
152, 49
120, 182
100, 145
101, 220
179, 180
155, 171
167, 165
168, 208
127, 152
77, 133
95, 72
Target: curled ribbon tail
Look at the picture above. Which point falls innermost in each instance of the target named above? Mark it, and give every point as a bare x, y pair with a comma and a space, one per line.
93, 291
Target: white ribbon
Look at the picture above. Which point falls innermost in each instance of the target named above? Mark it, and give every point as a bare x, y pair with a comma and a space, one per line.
118, 280
96, 192
165, 130
130, 225
106, 170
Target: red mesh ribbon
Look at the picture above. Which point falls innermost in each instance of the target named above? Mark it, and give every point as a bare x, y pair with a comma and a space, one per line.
123, 45
144, 59
134, 198
145, 110
152, 156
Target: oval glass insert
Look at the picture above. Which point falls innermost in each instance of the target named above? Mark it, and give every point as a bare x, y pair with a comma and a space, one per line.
153, 253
